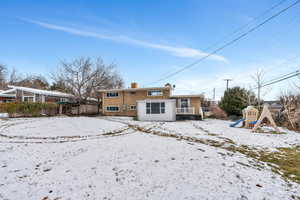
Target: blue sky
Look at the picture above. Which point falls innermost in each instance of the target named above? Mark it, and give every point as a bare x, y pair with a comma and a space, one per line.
148, 39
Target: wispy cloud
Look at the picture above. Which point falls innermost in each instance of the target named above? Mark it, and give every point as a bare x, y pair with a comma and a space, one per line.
176, 51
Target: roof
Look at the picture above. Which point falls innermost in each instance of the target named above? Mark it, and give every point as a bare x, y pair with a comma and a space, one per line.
37, 91
157, 100
187, 95
134, 89
7, 95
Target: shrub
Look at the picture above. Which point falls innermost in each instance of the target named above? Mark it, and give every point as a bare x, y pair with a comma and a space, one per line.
218, 113
27, 109
235, 100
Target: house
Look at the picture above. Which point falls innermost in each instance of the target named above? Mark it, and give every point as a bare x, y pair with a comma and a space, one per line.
4, 98
153, 103
25, 94
274, 106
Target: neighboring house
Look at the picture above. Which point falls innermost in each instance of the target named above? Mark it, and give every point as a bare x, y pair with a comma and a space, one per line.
156, 103
274, 106
25, 94
4, 98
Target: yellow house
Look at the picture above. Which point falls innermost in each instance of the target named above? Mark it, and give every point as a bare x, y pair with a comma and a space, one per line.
124, 102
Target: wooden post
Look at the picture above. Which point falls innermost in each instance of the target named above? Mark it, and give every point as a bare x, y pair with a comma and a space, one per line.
60, 109
266, 114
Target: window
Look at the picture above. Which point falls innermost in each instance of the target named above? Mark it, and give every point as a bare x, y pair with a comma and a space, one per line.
8, 100
112, 94
63, 99
155, 108
155, 93
184, 103
28, 99
133, 107
112, 108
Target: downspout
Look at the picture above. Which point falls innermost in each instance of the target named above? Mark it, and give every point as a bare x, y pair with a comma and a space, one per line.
123, 100
103, 107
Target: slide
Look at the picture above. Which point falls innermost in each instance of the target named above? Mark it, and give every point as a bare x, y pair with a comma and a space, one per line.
253, 123
237, 122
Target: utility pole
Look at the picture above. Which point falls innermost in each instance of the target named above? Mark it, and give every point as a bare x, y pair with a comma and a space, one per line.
227, 82
214, 94
258, 92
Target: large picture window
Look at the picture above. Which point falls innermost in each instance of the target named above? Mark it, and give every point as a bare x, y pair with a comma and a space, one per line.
155, 108
112, 94
155, 93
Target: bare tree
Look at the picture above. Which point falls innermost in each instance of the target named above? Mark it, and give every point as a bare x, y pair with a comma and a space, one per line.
33, 81
14, 77
291, 104
259, 79
84, 76
3, 71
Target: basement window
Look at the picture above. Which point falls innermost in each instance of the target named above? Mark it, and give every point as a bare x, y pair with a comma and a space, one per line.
155, 108
133, 107
112, 108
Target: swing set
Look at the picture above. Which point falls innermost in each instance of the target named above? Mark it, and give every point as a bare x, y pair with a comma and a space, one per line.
251, 120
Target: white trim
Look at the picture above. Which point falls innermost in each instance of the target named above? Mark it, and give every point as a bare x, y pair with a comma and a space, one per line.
135, 89
8, 95
187, 96
38, 91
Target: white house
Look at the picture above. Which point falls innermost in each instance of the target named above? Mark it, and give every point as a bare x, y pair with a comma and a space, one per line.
25, 94
156, 110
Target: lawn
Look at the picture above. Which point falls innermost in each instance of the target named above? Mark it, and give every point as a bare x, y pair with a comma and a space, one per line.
119, 158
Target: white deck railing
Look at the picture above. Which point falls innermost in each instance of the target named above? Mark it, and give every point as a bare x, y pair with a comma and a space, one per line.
185, 111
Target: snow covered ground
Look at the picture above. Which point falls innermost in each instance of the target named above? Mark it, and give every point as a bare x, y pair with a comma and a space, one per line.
104, 158
57, 126
220, 129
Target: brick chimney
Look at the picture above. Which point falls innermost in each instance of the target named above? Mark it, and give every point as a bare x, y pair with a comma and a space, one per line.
134, 85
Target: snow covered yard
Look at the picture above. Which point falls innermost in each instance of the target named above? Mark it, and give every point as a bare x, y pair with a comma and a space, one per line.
118, 158
219, 129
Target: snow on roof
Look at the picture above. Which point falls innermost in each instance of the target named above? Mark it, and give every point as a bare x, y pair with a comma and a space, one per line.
7, 95
187, 95
38, 91
134, 89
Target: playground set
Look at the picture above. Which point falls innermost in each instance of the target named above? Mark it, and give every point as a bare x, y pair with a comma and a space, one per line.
250, 118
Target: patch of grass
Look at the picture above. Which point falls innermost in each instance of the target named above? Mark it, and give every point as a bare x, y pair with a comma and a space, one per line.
260, 130
285, 161
212, 134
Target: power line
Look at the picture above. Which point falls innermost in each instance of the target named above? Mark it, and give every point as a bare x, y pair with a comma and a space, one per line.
230, 42
283, 64
246, 25
239, 29
280, 78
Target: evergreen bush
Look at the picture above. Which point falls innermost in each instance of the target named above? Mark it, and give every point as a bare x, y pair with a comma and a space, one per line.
28, 109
